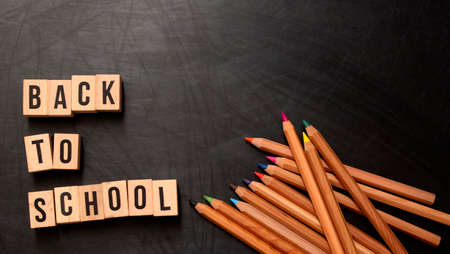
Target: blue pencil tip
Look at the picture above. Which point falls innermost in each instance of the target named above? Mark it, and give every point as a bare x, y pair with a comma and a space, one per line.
234, 201
262, 166
246, 181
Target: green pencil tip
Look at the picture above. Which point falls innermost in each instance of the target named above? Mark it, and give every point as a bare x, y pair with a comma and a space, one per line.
208, 198
305, 123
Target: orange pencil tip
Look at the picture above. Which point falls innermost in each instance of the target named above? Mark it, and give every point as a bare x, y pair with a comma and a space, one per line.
250, 140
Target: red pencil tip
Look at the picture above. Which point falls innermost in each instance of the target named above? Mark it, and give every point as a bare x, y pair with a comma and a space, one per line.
272, 159
284, 117
250, 140
259, 175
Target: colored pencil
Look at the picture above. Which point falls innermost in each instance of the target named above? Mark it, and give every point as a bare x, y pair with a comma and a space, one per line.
307, 217
311, 186
291, 223
233, 228
304, 202
253, 226
327, 194
360, 175
277, 227
404, 226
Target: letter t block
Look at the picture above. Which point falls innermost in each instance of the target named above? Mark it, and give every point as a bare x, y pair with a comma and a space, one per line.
38, 152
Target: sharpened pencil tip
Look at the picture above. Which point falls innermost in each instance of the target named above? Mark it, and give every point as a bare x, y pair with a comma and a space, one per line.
262, 166
305, 123
192, 202
305, 138
259, 175
246, 181
272, 159
208, 198
232, 187
284, 117
248, 139
234, 201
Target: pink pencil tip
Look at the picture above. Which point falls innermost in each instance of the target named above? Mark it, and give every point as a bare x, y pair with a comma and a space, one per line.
272, 159
284, 117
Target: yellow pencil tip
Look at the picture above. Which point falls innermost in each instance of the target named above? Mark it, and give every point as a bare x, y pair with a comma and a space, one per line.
305, 138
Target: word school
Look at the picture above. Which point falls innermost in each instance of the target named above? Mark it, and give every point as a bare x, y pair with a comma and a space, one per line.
62, 98
74, 204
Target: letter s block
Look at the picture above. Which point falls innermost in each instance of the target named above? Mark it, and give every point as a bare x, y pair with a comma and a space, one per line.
108, 92
38, 152
35, 97
165, 198
66, 151
42, 211
83, 93
67, 204
115, 199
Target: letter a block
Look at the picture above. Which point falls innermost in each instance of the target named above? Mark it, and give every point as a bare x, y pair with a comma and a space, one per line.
60, 98
66, 151
38, 152
115, 199
35, 97
108, 92
91, 202
42, 212
67, 204
165, 198
140, 197
83, 93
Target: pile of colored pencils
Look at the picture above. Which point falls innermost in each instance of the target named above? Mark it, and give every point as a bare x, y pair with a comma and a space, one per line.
277, 218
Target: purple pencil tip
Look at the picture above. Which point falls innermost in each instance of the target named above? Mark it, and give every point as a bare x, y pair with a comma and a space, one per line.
246, 181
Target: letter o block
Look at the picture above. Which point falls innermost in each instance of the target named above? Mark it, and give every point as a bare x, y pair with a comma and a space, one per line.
66, 151
115, 199
140, 197
38, 152
165, 198
67, 204
35, 97
83, 93
42, 211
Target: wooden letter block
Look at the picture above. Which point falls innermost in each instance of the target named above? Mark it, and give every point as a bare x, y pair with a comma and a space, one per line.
83, 93
42, 211
115, 199
67, 204
108, 92
140, 197
60, 98
38, 152
35, 97
66, 151
165, 198
91, 202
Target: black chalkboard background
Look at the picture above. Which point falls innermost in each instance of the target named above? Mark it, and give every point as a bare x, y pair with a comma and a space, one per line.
373, 76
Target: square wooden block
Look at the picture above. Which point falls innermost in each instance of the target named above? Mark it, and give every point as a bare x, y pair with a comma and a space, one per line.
67, 204
165, 198
42, 211
38, 152
91, 202
140, 197
83, 93
108, 92
115, 199
66, 151
60, 98
35, 97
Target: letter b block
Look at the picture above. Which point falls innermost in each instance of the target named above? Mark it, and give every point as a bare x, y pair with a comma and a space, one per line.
108, 92
67, 204
83, 93
115, 199
38, 152
35, 97
42, 211
91, 202
66, 151
165, 198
